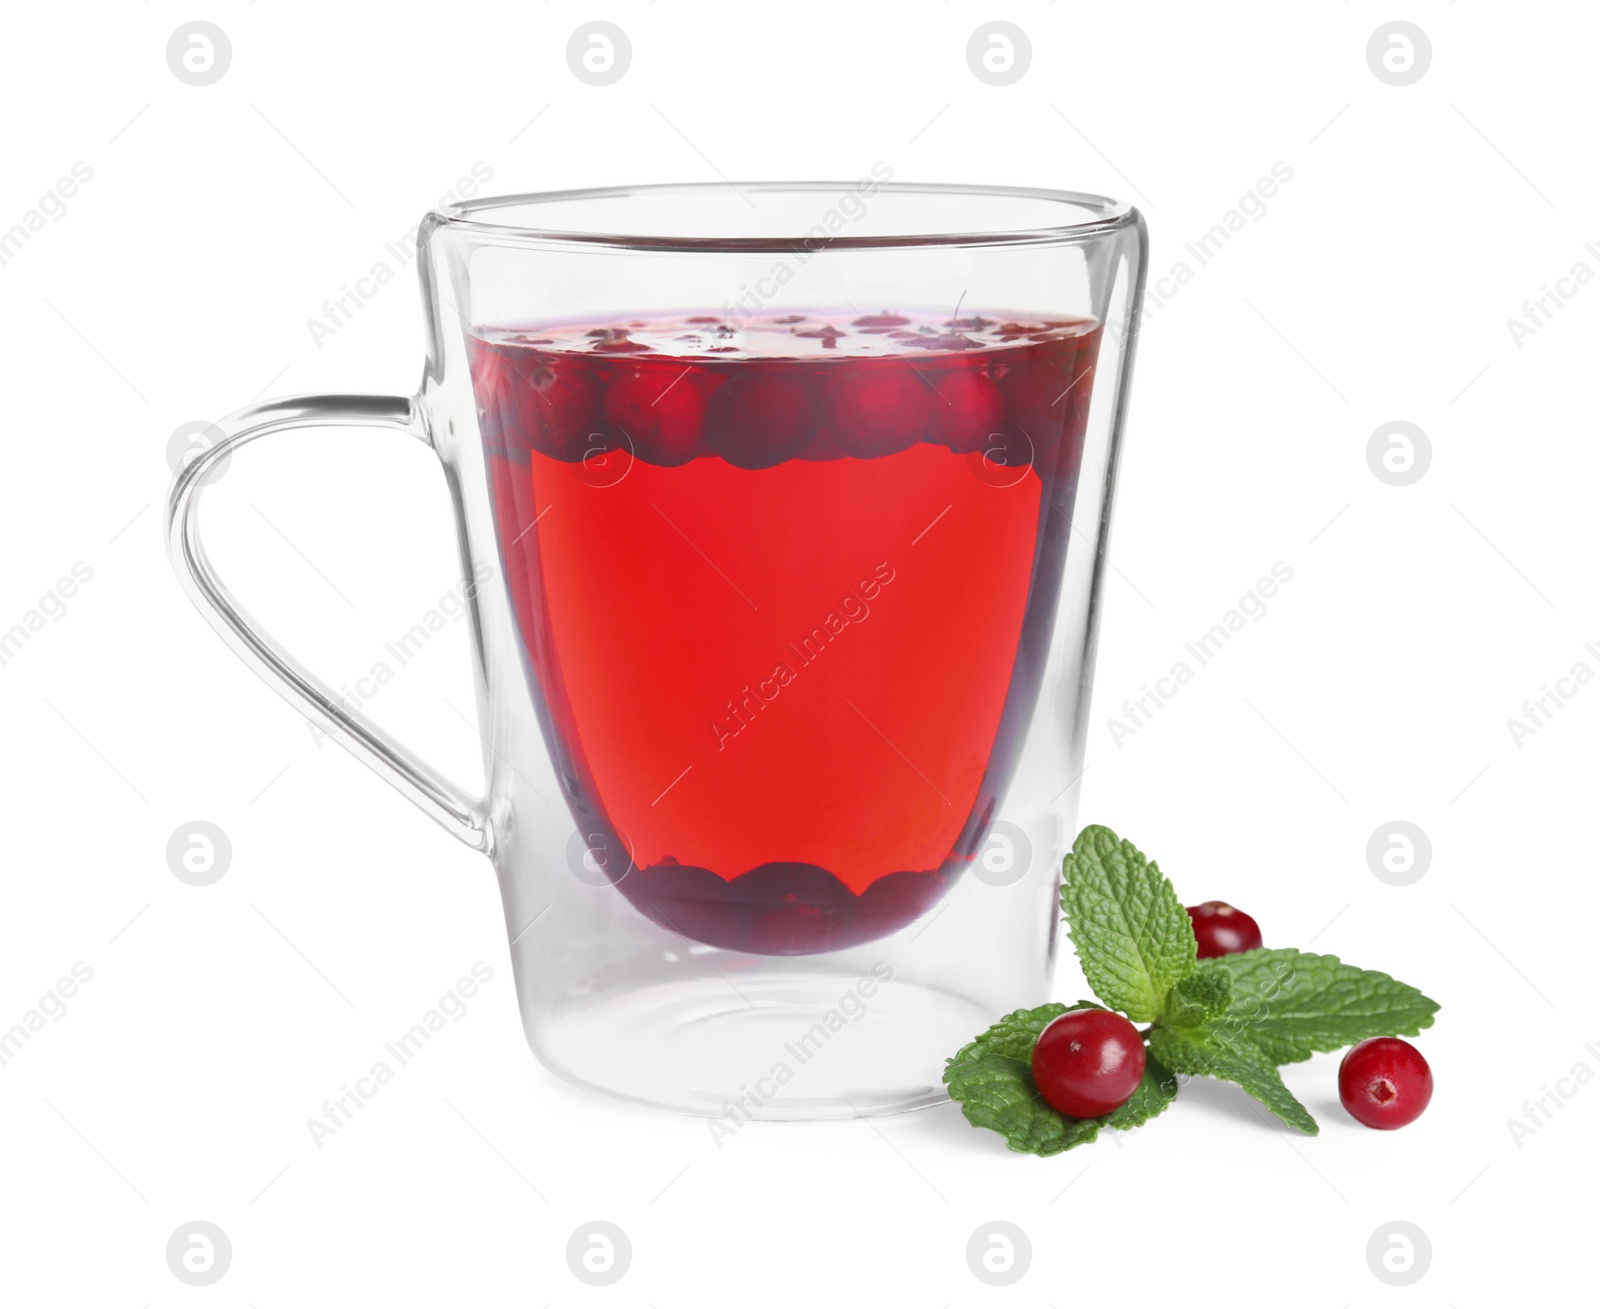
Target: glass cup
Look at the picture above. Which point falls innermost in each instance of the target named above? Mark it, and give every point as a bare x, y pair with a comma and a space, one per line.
786, 506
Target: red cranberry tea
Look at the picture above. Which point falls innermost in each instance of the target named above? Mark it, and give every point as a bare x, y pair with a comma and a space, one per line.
785, 589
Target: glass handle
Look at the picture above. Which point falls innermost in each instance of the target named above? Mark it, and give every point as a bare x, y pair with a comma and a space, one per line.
436, 795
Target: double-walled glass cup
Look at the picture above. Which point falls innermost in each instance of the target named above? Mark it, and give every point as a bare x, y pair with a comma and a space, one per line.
787, 505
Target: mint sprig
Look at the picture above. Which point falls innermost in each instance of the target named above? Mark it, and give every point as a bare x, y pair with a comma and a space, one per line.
1235, 1019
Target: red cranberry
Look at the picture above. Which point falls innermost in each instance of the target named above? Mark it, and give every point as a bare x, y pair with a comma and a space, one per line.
560, 407
1088, 1062
967, 409
758, 419
828, 334
880, 411
1039, 391
895, 900
1385, 1082
880, 322
820, 448
661, 410
1221, 929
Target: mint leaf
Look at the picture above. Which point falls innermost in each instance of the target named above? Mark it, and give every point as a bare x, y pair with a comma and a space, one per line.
1133, 936
998, 1093
1203, 994
992, 1079
1156, 1090
1291, 1005
1212, 1050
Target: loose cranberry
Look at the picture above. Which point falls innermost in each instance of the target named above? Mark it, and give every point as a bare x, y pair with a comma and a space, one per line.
881, 411
1221, 929
967, 409
661, 410
1088, 1062
756, 420
1385, 1082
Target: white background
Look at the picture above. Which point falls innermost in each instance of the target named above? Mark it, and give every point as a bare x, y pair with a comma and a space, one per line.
1378, 286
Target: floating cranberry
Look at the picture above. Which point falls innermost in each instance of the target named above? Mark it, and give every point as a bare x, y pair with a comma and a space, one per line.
1045, 393
1221, 929
617, 340
895, 900
1385, 1082
1028, 394
828, 334
967, 409
757, 419
688, 900
559, 408
792, 908
881, 411
880, 322
661, 410
1088, 1062
954, 342
820, 448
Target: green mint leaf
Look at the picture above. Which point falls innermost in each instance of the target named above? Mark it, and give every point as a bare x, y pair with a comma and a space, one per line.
1214, 1050
1203, 994
997, 1092
1291, 1005
1156, 1090
1133, 936
992, 1080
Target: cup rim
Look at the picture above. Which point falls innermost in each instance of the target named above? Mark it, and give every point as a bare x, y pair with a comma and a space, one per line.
1105, 215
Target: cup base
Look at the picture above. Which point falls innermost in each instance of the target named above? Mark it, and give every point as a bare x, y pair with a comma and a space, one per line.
771, 1047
